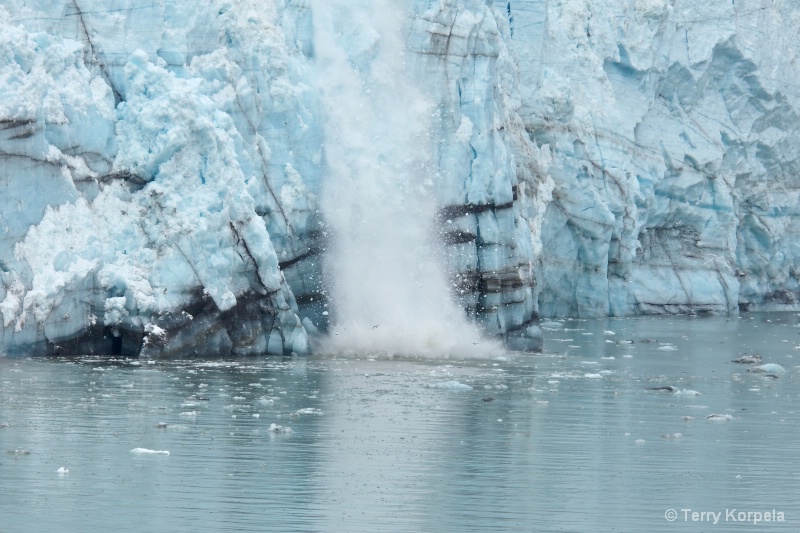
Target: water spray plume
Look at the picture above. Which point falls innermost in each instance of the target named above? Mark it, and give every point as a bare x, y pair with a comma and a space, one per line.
389, 290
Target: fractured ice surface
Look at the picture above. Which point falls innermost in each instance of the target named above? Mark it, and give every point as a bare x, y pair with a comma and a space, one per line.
675, 169
161, 165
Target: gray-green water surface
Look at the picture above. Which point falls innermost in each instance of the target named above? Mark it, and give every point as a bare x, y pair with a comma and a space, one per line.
575, 439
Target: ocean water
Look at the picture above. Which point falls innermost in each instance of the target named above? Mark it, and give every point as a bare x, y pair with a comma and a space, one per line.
575, 439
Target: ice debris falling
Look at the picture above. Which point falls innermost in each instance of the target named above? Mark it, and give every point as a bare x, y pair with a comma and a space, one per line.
166, 194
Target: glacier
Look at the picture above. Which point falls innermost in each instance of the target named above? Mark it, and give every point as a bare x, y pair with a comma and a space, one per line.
171, 173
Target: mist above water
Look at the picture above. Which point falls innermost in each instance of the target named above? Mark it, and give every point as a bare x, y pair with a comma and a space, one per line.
389, 292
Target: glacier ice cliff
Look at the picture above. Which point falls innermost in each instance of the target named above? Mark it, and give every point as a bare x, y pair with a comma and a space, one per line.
162, 166
153, 199
673, 130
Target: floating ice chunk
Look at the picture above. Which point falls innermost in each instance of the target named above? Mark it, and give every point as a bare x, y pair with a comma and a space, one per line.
256, 415
748, 359
275, 428
687, 418
608, 332
62, 471
593, 376
667, 348
687, 392
670, 436
266, 401
769, 368
189, 413
145, 451
639, 442
719, 418
608, 358
309, 411
452, 385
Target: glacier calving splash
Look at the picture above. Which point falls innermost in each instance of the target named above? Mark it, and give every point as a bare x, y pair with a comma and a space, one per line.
165, 167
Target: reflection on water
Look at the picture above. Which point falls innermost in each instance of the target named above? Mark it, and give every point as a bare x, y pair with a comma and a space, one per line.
575, 439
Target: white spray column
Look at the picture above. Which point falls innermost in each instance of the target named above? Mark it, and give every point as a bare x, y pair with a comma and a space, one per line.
389, 293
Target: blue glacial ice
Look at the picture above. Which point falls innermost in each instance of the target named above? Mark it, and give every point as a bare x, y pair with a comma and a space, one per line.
171, 173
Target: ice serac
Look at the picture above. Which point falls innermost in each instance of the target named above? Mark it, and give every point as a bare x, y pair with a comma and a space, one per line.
674, 132
158, 168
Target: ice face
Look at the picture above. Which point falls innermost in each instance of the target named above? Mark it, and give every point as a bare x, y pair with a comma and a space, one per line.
165, 167
157, 185
672, 126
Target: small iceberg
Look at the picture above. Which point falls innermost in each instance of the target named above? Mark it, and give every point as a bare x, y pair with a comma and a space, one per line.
275, 428
62, 471
769, 368
749, 359
719, 418
310, 411
145, 451
452, 385
667, 348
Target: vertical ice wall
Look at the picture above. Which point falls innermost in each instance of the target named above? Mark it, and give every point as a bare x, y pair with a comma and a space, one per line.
491, 190
673, 128
158, 170
586, 157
